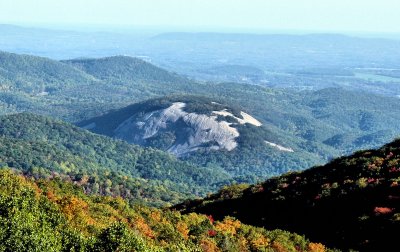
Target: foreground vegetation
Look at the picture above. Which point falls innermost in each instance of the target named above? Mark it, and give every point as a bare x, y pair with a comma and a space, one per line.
51, 215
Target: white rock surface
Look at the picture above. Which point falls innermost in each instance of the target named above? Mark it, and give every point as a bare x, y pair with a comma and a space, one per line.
246, 117
201, 129
279, 147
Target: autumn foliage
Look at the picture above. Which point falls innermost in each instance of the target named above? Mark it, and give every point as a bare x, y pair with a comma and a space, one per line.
351, 203
59, 216
383, 210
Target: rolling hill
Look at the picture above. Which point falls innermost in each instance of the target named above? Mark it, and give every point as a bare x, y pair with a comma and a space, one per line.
78, 89
351, 203
125, 69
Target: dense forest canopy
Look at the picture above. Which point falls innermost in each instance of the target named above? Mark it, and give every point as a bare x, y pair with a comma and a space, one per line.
51, 215
350, 203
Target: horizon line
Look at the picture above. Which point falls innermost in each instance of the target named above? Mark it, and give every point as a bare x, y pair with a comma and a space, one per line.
97, 27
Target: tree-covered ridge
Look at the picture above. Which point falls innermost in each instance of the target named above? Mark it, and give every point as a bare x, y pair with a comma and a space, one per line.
125, 69
35, 75
78, 89
351, 203
44, 147
50, 215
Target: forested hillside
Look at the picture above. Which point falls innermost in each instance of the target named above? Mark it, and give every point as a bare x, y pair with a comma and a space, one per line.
50, 215
351, 203
77, 89
123, 69
43, 147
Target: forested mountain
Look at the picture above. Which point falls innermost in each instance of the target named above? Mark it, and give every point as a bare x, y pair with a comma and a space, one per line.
327, 123
206, 132
122, 69
351, 203
35, 75
77, 89
43, 147
51, 215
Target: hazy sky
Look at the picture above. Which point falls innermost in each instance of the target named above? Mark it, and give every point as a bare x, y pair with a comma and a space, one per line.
322, 15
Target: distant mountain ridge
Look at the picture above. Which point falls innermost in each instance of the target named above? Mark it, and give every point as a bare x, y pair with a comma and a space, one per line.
123, 68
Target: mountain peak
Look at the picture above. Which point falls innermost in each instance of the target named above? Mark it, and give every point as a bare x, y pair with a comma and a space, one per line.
202, 124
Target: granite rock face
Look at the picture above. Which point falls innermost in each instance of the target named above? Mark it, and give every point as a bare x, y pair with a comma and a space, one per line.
193, 131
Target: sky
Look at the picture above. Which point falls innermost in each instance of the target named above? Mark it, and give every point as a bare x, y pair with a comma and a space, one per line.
304, 15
